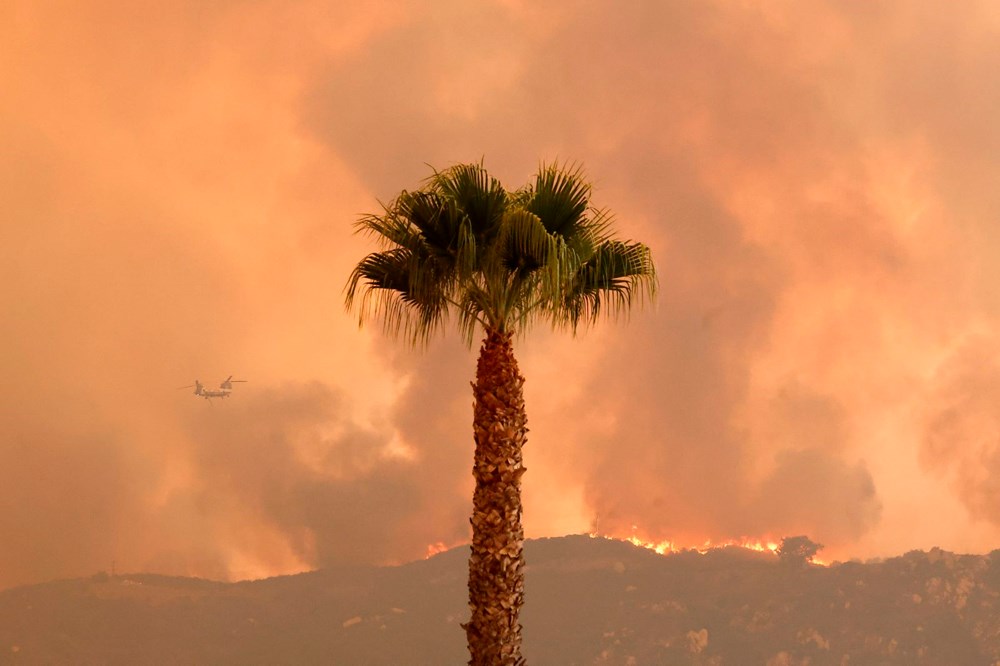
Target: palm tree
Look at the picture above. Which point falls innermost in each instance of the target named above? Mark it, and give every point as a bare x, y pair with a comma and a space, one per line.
463, 245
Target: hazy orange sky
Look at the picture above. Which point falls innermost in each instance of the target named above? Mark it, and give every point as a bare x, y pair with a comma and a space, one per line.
818, 181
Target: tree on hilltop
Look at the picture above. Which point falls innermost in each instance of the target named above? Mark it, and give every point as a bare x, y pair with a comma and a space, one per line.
798, 550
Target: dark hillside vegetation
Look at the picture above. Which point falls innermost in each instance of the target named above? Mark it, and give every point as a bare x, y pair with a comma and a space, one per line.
589, 601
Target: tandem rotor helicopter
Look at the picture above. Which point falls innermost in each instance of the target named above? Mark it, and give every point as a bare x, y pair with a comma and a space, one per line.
225, 388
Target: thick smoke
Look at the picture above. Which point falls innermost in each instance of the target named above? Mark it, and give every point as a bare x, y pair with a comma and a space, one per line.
817, 181
792, 167
962, 427
288, 458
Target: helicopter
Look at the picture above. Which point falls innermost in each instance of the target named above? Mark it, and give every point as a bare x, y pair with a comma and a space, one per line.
225, 388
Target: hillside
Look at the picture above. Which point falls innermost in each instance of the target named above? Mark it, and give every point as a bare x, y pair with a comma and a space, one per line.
588, 601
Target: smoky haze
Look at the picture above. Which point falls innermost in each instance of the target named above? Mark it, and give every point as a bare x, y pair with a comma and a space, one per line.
817, 181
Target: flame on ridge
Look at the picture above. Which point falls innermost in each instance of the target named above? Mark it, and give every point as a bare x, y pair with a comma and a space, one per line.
435, 548
666, 547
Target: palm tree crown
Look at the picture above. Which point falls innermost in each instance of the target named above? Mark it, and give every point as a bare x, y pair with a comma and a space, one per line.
499, 259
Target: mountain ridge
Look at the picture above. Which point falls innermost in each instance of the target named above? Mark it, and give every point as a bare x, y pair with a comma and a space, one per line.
589, 600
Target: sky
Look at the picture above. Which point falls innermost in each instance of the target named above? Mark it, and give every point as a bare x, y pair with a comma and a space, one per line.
817, 180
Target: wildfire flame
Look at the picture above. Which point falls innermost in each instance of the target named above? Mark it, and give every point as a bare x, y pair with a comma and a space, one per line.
667, 547
435, 548
761, 545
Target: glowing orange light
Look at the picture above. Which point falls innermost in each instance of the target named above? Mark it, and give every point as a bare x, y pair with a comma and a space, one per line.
435, 548
667, 547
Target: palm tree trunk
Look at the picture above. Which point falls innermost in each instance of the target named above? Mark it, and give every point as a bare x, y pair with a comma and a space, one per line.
496, 565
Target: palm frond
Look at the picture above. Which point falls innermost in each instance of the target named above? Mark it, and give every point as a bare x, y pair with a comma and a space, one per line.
606, 283
479, 196
473, 311
524, 244
402, 290
436, 221
560, 197
593, 230
388, 230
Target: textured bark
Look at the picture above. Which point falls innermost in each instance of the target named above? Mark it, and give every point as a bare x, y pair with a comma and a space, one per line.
496, 565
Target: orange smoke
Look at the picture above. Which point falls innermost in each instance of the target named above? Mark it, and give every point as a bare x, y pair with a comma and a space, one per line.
817, 182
